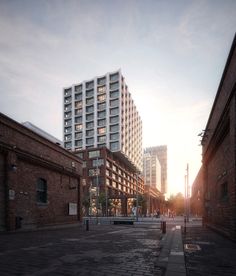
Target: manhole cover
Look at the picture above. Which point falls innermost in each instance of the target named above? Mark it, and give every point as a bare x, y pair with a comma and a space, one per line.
192, 247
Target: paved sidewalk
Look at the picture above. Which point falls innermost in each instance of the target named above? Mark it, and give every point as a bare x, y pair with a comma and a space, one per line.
208, 253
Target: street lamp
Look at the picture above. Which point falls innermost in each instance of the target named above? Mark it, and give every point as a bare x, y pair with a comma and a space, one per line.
136, 196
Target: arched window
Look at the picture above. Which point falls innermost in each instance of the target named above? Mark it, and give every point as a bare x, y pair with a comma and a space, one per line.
41, 190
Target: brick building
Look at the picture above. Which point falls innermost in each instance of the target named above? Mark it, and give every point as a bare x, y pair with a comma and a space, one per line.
219, 154
39, 180
111, 175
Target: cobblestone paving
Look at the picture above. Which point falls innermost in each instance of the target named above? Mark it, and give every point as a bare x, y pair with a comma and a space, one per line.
104, 250
215, 257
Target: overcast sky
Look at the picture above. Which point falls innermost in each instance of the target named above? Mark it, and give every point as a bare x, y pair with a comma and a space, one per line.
171, 53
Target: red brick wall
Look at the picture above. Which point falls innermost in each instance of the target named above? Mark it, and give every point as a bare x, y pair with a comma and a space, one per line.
34, 157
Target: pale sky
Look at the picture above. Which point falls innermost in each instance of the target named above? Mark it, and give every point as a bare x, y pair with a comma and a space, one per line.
171, 53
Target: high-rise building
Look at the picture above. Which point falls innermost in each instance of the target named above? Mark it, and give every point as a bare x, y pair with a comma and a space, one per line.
152, 171
161, 153
101, 112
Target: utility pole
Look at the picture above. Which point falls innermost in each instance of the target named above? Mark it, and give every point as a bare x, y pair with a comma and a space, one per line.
188, 192
137, 197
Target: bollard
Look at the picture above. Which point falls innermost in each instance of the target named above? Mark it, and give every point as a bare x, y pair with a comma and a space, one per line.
163, 227
87, 224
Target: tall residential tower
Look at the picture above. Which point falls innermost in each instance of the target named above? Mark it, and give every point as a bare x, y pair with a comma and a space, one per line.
101, 112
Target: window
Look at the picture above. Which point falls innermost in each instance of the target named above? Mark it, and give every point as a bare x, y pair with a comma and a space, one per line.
114, 111
98, 162
89, 109
89, 125
78, 104
224, 191
101, 81
41, 190
102, 139
114, 119
68, 137
101, 98
114, 128
78, 120
93, 172
67, 91
89, 101
89, 117
78, 111
101, 122
101, 114
114, 136
101, 130
68, 122
68, 107
78, 135
67, 99
90, 132
78, 88
114, 94
114, 86
89, 85
68, 129
90, 140
68, 145
101, 145
94, 153
114, 145
102, 89
89, 93
114, 77
78, 127
78, 97
68, 114
80, 155
101, 106
114, 103
78, 143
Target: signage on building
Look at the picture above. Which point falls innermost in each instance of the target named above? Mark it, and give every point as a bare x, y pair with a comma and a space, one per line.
72, 209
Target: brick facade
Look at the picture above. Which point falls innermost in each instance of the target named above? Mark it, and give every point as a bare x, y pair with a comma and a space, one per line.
219, 154
25, 159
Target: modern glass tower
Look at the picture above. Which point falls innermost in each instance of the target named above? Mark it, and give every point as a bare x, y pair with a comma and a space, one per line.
101, 112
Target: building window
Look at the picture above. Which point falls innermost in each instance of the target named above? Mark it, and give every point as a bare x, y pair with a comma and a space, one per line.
90, 132
68, 114
90, 125
102, 122
68, 122
78, 143
114, 119
114, 86
68, 145
89, 117
114, 77
101, 130
101, 81
89, 109
101, 98
68, 129
89, 101
89, 85
101, 114
101, 106
102, 139
78, 120
93, 172
102, 89
114, 136
78, 97
67, 91
224, 191
78, 88
114, 145
41, 190
68, 137
90, 140
114, 111
94, 153
78, 135
78, 104
114, 103
89, 93
79, 111
80, 155
114, 128
68, 107
98, 162
101, 145
114, 94
78, 127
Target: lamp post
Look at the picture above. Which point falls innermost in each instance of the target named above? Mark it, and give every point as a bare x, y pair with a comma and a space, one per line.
136, 196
